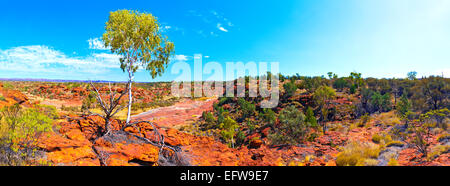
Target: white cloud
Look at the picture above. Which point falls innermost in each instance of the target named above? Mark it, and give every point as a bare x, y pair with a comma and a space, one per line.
214, 20
96, 44
42, 59
220, 27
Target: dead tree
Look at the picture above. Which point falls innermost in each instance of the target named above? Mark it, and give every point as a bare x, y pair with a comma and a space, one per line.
109, 108
168, 155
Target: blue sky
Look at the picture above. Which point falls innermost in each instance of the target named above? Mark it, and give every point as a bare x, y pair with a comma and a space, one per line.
379, 38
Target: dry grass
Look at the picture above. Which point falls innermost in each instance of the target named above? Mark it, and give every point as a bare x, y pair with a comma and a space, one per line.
358, 154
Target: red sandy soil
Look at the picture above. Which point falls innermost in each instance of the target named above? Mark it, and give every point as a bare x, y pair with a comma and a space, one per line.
181, 113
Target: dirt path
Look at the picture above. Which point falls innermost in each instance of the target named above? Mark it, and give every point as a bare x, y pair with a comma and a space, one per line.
182, 113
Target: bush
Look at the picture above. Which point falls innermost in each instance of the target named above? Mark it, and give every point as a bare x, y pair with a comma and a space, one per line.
20, 132
289, 89
209, 120
269, 116
229, 127
248, 109
292, 130
310, 118
403, 106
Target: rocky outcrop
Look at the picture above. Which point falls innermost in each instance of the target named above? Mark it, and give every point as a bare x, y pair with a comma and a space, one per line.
78, 142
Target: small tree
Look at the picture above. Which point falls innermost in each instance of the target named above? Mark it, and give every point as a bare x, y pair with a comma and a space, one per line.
412, 75
322, 97
136, 37
229, 128
403, 106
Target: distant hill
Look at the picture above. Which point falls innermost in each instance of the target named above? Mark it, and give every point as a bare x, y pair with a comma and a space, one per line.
61, 80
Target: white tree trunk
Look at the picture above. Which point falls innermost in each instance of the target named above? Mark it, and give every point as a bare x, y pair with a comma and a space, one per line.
130, 97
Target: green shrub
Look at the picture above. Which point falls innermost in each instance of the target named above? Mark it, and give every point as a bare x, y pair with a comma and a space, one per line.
292, 130
289, 89
310, 118
269, 116
248, 109
228, 131
20, 130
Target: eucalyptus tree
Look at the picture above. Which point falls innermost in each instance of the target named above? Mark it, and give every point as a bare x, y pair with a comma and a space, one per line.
137, 38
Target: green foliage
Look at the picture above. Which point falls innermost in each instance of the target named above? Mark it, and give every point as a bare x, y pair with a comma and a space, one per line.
353, 89
341, 83
2, 98
322, 97
403, 106
269, 116
292, 130
209, 120
248, 108
228, 131
380, 102
412, 75
436, 118
311, 83
138, 39
290, 89
431, 93
310, 118
357, 79
20, 129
